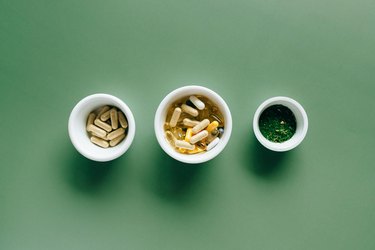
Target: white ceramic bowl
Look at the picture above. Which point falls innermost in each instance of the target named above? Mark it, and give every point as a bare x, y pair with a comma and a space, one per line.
301, 120
161, 114
79, 136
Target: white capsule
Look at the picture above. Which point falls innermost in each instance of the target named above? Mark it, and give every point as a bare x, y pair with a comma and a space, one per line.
200, 126
196, 138
184, 144
191, 111
197, 103
189, 123
175, 116
213, 144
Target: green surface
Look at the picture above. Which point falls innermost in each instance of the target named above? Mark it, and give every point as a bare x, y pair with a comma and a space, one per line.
318, 196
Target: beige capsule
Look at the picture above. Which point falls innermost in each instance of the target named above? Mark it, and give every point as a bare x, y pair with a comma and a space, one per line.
191, 111
114, 118
196, 138
189, 123
184, 145
116, 140
105, 116
90, 119
200, 126
122, 119
115, 133
97, 131
100, 142
103, 125
175, 116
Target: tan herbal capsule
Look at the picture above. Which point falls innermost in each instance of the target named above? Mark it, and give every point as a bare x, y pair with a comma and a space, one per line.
100, 142
122, 119
100, 136
191, 111
103, 125
97, 131
102, 111
105, 116
201, 135
114, 118
200, 126
212, 126
189, 123
184, 144
115, 133
117, 140
175, 116
90, 119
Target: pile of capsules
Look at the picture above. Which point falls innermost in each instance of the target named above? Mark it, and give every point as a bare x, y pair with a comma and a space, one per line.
106, 126
193, 125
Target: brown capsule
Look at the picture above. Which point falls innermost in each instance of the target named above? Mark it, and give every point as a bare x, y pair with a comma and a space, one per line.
114, 118
116, 140
100, 142
115, 133
103, 125
122, 119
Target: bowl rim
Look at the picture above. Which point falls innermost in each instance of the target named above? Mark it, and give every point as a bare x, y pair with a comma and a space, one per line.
159, 120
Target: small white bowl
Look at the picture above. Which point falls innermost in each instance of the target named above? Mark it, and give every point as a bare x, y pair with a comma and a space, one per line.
161, 114
77, 128
301, 120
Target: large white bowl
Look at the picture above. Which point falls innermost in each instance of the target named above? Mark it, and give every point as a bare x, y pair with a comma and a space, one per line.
301, 120
161, 114
79, 136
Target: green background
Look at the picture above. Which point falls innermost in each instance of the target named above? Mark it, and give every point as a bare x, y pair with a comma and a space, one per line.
318, 196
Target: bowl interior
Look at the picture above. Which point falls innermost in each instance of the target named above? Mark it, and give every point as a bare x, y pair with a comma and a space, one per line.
160, 119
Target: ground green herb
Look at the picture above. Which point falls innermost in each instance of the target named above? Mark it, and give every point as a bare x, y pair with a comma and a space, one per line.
277, 123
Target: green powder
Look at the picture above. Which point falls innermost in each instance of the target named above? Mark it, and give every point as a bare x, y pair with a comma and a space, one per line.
277, 123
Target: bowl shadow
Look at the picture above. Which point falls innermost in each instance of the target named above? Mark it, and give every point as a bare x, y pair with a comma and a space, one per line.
266, 163
174, 180
89, 176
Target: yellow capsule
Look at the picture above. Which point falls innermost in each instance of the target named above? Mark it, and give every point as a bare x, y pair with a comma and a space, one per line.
175, 116
191, 111
102, 110
90, 119
105, 116
114, 118
212, 126
184, 145
116, 140
195, 150
100, 142
103, 125
97, 131
201, 135
122, 119
115, 133
189, 133
189, 123
200, 126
